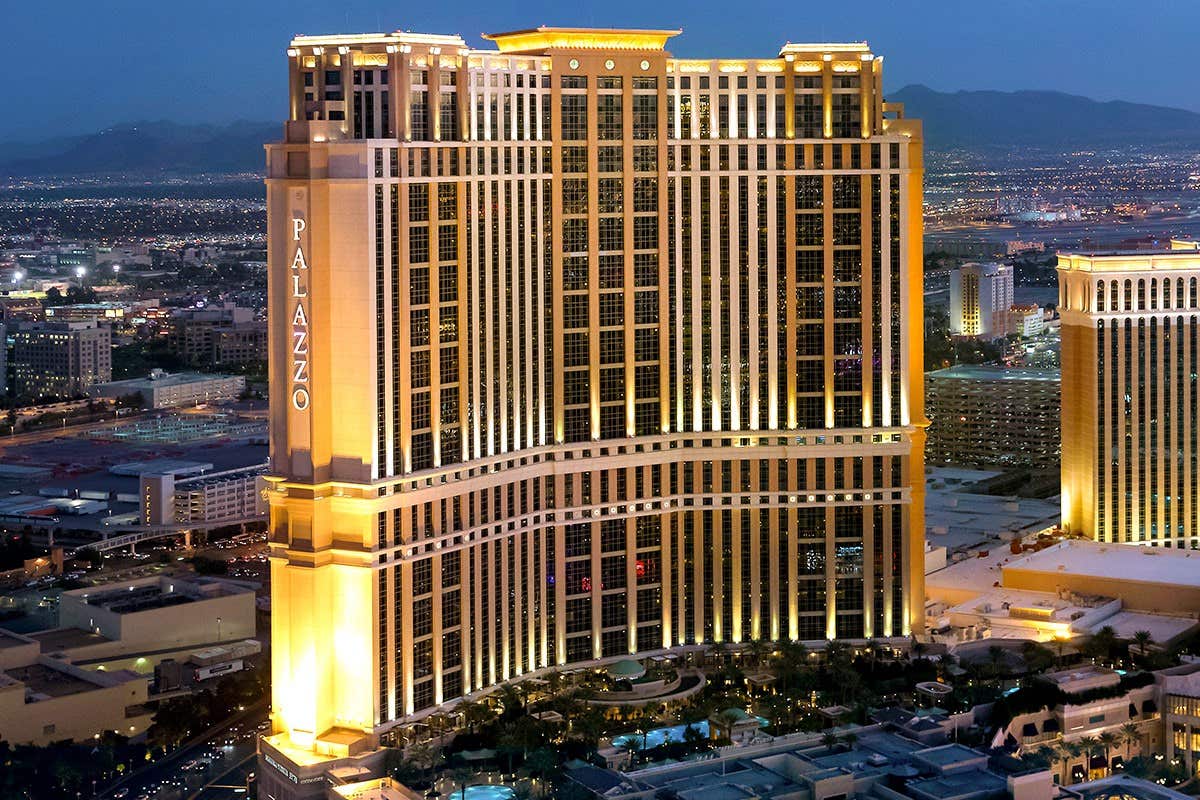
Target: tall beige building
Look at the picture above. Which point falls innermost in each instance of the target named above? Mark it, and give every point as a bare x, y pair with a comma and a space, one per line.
578, 351
1129, 396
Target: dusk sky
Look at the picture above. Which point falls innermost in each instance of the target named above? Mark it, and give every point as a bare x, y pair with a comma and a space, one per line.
76, 66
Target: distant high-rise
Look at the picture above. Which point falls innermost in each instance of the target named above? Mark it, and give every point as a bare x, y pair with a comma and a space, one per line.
980, 296
1129, 396
581, 351
60, 359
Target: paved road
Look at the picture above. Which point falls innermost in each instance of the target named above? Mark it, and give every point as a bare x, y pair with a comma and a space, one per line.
230, 785
166, 780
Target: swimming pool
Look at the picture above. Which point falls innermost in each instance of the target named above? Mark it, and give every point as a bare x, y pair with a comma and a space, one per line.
484, 791
657, 736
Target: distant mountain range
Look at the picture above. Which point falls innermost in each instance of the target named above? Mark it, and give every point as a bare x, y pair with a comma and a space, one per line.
1049, 120
976, 119
145, 148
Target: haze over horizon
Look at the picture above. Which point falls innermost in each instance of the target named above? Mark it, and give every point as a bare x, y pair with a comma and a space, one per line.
224, 60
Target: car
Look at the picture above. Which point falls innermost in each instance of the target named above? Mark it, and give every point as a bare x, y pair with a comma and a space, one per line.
121, 793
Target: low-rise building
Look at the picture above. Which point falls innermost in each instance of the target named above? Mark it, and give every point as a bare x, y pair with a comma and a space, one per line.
1180, 700
106, 312
148, 618
1094, 701
21, 308
235, 495
1154, 579
875, 763
45, 699
163, 390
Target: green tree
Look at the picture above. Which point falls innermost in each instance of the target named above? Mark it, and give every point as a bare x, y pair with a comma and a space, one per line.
1089, 745
542, 763
1143, 640
462, 777
996, 656
1130, 735
1108, 740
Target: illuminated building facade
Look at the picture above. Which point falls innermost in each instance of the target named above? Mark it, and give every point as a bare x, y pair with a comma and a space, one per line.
580, 350
1129, 396
980, 296
60, 359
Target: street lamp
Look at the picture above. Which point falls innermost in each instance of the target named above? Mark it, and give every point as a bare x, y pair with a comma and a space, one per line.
18, 276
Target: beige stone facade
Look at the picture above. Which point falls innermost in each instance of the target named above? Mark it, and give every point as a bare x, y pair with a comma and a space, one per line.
578, 351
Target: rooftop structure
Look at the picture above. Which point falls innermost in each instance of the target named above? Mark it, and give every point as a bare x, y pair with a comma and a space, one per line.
799, 766
46, 699
161, 390
151, 614
1145, 578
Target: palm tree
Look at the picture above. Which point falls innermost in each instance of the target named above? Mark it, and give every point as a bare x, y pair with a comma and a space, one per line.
829, 739
1073, 751
541, 763
1143, 639
632, 746
850, 739
1089, 745
1130, 735
996, 658
462, 775
1109, 740
1060, 754
918, 647
474, 715
424, 756
758, 648
1101, 643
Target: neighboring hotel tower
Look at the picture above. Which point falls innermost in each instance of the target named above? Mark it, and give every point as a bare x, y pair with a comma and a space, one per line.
980, 297
580, 350
1129, 396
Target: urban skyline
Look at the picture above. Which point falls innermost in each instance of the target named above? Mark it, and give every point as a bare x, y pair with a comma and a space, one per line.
601, 413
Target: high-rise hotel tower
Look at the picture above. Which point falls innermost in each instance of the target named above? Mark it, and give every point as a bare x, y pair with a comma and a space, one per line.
1130, 401
581, 350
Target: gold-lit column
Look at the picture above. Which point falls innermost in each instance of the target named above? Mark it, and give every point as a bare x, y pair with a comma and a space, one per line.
346, 62
631, 581
830, 555
296, 85
668, 569
866, 309
827, 257
827, 97
912, 400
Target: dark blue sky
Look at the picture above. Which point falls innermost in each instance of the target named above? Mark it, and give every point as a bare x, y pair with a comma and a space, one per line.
75, 66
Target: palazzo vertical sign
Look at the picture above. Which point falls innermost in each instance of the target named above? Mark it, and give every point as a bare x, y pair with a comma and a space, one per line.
298, 300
